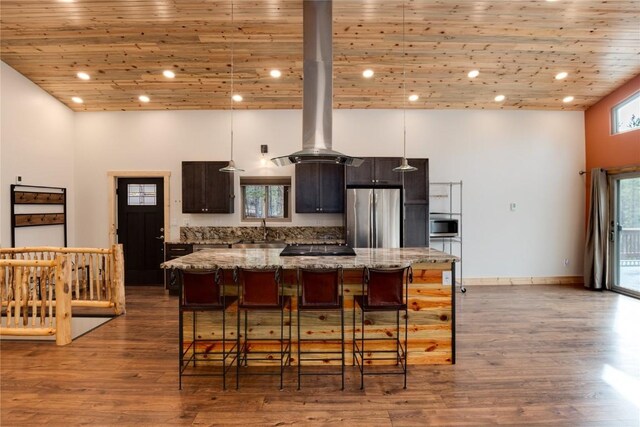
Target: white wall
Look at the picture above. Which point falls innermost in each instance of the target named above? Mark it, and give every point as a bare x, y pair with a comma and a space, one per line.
527, 157
36, 142
531, 158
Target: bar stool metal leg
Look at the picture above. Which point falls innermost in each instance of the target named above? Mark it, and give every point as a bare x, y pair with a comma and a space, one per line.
406, 343
353, 337
299, 345
224, 352
180, 350
342, 341
281, 343
238, 345
397, 337
362, 362
290, 309
245, 352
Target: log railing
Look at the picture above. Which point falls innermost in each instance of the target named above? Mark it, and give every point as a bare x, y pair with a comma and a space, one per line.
29, 291
96, 276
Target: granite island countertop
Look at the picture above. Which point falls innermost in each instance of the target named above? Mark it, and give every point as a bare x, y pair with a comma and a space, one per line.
270, 258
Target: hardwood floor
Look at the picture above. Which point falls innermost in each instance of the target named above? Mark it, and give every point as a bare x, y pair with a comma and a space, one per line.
536, 355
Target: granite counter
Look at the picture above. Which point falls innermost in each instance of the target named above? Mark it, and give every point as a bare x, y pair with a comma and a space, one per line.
270, 258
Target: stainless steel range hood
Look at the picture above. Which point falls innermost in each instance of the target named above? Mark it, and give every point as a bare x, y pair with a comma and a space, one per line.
317, 90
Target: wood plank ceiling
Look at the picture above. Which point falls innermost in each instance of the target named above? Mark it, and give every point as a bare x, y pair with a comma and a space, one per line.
518, 47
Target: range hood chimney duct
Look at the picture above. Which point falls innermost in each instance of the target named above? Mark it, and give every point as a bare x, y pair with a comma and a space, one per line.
317, 103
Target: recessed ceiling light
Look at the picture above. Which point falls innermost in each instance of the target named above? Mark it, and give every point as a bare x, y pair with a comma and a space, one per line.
144, 98
275, 73
367, 74
567, 99
168, 74
237, 97
77, 99
83, 76
499, 98
562, 75
413, 97
473, 74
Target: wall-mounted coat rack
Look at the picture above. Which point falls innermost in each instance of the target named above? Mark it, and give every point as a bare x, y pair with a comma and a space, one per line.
37, 195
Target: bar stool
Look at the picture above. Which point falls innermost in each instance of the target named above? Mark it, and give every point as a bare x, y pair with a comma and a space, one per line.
261, 290
386, 291
320, 290
203, 291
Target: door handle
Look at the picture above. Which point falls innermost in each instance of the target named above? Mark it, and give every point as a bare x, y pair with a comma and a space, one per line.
159, 237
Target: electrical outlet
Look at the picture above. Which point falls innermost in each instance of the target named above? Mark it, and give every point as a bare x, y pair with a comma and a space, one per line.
18, 179
446, 278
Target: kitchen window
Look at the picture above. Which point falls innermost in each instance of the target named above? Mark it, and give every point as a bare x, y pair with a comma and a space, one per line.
626, 115
266, 198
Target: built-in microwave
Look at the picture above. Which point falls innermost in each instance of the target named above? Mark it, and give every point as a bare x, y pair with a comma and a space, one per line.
443, 227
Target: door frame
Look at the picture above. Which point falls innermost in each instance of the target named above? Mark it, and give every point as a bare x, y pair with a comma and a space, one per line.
112, 179
614, 262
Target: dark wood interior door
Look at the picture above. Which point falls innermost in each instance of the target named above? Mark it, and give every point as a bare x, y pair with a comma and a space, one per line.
140, 229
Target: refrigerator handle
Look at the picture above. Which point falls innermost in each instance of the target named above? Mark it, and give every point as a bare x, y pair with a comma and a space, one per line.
372, 240
374, 225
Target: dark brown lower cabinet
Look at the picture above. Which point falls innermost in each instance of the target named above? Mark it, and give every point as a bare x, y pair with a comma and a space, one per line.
173, 251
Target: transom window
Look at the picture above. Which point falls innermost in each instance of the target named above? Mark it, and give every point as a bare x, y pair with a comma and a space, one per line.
626, 115
141, 194
265, 198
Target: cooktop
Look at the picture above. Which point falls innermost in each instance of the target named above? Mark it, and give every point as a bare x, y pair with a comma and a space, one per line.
317, 250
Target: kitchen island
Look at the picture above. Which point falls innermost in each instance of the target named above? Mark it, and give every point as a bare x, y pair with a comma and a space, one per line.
431, 302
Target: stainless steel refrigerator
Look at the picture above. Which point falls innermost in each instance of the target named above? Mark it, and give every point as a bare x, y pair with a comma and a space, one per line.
374, 217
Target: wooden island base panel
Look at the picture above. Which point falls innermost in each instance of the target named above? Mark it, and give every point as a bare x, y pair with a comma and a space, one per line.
431, 332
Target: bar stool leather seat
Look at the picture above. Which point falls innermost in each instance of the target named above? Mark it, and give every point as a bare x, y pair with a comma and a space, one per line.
320, 290
261, 290
203, 291
383, 290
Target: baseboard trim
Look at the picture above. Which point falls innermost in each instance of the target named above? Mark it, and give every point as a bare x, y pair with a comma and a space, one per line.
553, 280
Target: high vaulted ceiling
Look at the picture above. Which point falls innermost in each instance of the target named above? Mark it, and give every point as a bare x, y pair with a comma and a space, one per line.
518, 47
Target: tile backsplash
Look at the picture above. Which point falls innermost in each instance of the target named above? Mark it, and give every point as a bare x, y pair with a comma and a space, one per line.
255, 233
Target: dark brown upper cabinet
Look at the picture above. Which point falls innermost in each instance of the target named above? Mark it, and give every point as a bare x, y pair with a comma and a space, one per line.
319, 188
416, 184
375, 171
416, 204
205, 189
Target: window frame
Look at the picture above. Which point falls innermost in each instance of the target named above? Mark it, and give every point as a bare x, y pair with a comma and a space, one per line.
614, 113
284, 181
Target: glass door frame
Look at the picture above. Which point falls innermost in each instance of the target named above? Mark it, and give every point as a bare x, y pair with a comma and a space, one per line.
614, 235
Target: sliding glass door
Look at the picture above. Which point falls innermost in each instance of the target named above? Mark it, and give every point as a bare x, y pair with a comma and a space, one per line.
625, 233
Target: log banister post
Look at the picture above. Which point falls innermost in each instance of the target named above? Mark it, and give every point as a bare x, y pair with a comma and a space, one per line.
63, 300
118, 279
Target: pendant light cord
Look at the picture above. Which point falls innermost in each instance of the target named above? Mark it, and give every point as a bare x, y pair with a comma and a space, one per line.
232, 72
404, 92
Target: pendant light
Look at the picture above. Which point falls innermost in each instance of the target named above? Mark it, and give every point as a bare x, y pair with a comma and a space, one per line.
231, 167
404, 166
